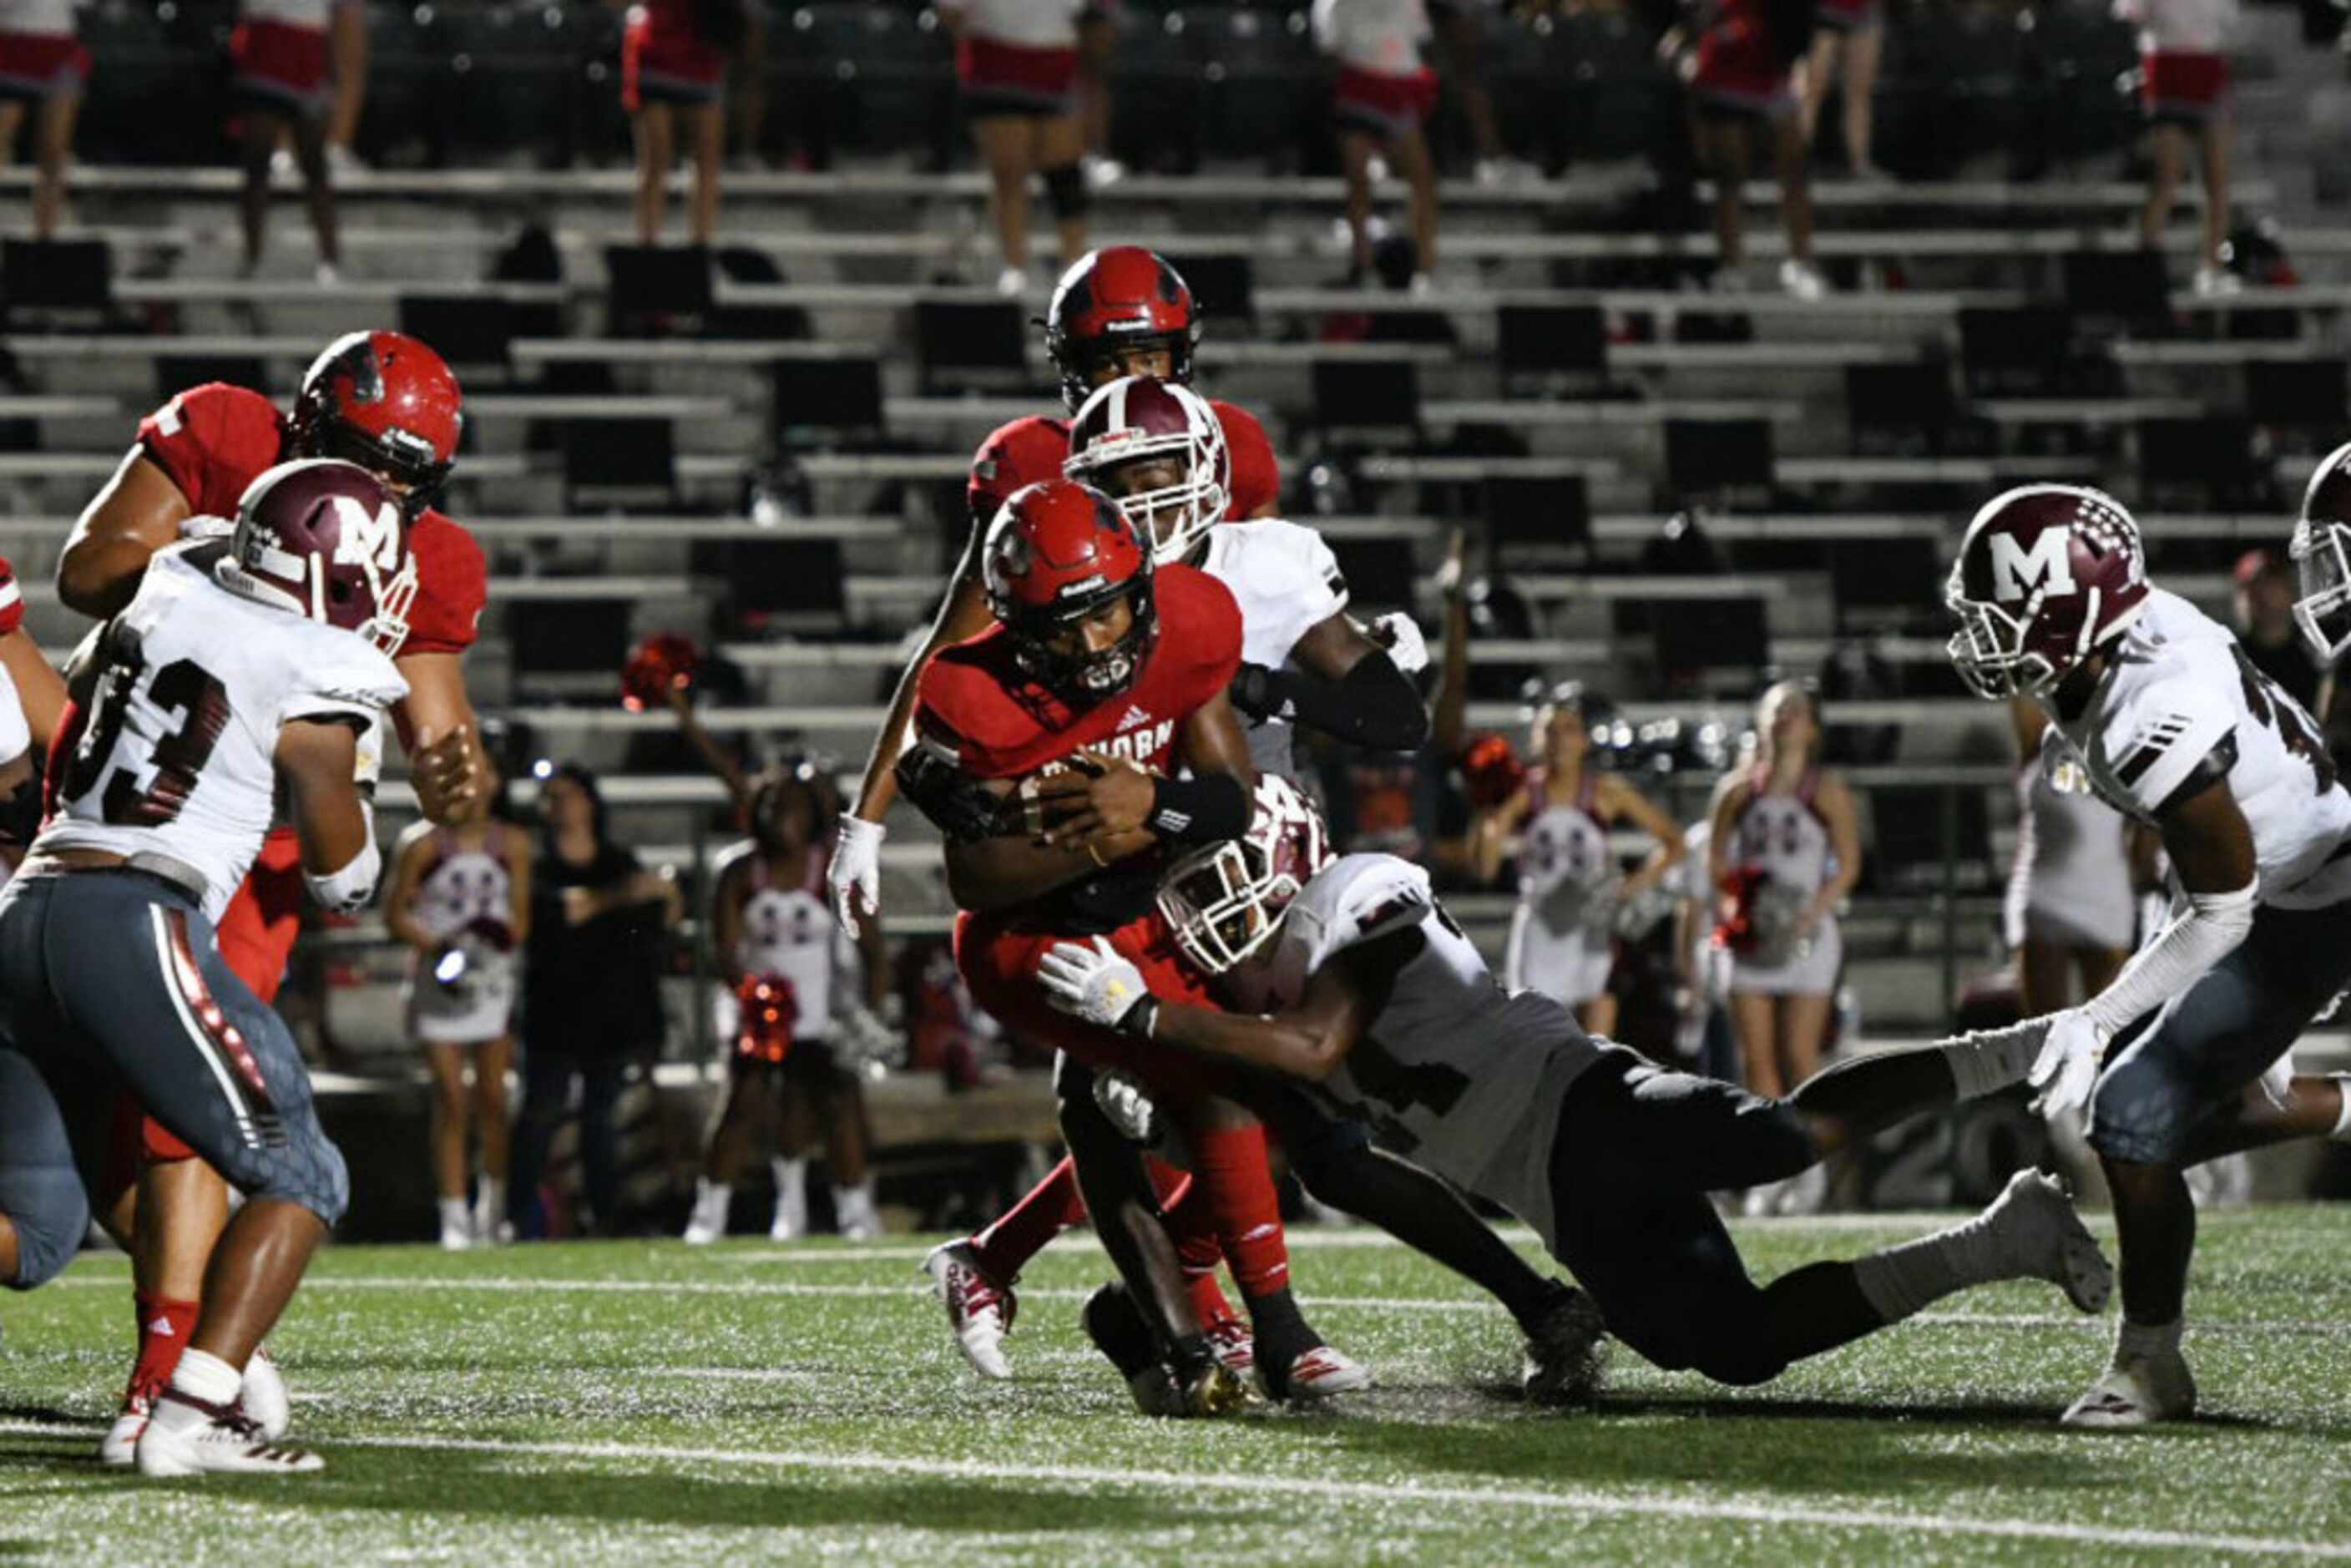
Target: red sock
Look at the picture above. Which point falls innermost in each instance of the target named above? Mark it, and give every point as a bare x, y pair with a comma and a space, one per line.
1231, 1165
1051, 1206
164, 1326
1192, 1226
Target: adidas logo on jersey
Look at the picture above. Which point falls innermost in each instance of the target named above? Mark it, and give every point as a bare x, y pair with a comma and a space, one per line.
1134, 716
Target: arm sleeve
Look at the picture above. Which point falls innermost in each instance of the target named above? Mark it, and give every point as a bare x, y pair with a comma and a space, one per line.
1375, 706
2207, 928
452, 588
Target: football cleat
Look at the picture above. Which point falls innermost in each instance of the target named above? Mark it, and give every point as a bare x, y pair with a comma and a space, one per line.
2137, 1391
223, 1441
979, 1311
1215, 1390
2045, 1239
1233, 1344
121, 1445
1322, 1373
264, 1398
1566, 1353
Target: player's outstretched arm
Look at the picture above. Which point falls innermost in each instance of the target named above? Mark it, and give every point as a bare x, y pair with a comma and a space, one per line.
440, 734
138, 513
1349, 688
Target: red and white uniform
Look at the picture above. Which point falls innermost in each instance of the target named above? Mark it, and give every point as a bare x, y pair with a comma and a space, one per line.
1784, 837
974, 697
1031, 450
212, 441
665, 59
466, 901
278, 52
787, 933
2183, 66
41, 55
1383, 85
1736, 65
1021, 57
2071, 881
1562, 935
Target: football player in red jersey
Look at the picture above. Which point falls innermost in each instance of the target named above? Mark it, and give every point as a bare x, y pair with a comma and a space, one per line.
1100, 676
388, 403
1120, 311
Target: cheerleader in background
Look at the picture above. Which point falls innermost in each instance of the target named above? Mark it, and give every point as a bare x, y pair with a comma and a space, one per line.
460, 898
2073, 900
1563, 935
1784, 849
1383, 95
43, 71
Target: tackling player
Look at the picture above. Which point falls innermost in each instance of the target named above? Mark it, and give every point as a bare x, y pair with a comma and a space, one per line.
2176, 728
388, 403
1353, 978
233, 674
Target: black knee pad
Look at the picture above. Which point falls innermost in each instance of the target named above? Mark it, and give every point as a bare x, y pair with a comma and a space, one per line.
1065, 192
50, 1213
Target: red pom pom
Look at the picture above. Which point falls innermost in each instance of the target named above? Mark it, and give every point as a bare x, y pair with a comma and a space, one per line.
1491, 770
769, 1009
661, 663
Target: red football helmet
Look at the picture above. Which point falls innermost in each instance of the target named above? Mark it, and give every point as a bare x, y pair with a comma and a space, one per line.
2322, 558
2046, 575
767, 1008
1121, 297
1225, 900
661, 663
1056, 554
387, 403
323, 539
1136, 418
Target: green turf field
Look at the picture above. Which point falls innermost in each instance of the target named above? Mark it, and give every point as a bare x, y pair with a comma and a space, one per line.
639, 1402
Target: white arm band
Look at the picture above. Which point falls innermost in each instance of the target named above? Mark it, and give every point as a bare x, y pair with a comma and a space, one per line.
2202, 934
350, 890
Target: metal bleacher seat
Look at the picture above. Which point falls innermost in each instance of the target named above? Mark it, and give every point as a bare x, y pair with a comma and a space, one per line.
963, 345
2305, 396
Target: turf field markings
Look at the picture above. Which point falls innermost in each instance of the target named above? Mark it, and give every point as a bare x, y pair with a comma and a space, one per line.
1576, 1500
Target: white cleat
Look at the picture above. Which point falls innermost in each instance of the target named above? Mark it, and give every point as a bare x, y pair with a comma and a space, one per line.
1234, 1345
226, 1442
2045, 1239
264, 1398
2137, 1391
455, 1238
979, 1311
1324, 1373
120, 1447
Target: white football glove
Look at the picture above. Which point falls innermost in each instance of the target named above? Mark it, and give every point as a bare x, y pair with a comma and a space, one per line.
1128, 1106
2067, 1066
864, 1045
856, 871
1397, 632
1093, 982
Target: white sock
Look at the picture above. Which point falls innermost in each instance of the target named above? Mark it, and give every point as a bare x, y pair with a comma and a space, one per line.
791, 1180
2144, 1340
851, 1204
1903, 1280
711, 1198
2342, 1134
453, 1214
491, 1204
1985, 1061
200, 1376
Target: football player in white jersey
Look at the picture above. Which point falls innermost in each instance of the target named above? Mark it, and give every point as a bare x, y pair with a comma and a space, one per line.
214, 689
1357, 981
2176, 728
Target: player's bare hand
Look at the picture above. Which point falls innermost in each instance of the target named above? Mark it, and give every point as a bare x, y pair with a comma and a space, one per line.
1099, 795
446, 775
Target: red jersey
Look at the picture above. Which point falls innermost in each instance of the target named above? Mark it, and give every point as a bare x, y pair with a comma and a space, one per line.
1004, 725
1028, 451
216, 439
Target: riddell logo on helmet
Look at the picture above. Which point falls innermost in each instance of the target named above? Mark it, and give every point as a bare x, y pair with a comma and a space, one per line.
2017, 569
1132, 324
1083, 586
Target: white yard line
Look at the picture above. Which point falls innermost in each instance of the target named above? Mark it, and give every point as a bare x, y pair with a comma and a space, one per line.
1574, 1501
911, 1291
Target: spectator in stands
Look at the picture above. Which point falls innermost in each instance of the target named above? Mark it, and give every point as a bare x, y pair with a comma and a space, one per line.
1571, 878
43, 70
2184, 89
2072, 897
347, 65
1741, 71
673, 83
460, 898
592, 1001
1017, 63
1852, 33
1381, 96
278, 69
1783, 849
1459, 27
747, 90
2266, 591
1097, 46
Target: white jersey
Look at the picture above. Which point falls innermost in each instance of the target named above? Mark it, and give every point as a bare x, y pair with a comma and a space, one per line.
1457, 1073
2180, 691
177, 755
465, 885
2071, 880
788, 931
1379, 35
1285, 581
1562, 937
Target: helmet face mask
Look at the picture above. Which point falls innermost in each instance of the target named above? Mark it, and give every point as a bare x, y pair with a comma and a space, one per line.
1136, 419
1226, 901
2322, 560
